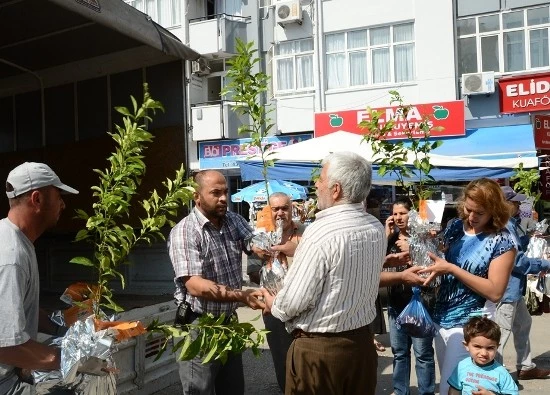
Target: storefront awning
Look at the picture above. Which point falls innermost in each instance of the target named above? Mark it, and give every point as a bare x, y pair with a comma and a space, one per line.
40, 35
500, 142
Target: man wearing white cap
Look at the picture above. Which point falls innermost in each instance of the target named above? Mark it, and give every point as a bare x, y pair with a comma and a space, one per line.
512, 315
34, 193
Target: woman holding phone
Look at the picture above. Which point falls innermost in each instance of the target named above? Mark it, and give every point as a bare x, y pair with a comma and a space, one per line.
397, 231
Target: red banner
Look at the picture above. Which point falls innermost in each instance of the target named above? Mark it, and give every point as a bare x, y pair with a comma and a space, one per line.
447, 115
542, 132
525, 93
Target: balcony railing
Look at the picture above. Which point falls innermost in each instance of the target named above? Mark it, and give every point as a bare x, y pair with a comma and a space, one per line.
216, 120
215, 35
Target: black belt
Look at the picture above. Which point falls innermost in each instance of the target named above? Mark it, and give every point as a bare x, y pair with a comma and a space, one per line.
298, 333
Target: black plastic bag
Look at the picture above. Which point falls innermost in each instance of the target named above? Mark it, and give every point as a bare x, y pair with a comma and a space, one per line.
415, 320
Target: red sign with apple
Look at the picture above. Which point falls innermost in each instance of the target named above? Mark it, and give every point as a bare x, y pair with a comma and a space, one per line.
542, 132
449, 116
525, 93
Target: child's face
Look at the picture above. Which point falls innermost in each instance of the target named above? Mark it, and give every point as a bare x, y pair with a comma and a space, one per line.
481, 349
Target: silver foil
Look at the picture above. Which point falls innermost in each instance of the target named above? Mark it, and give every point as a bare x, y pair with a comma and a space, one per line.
84, 355
273, 272
423, 240
537, 247
81, 342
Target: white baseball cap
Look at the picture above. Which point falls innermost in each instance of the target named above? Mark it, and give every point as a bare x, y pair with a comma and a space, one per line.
32, 175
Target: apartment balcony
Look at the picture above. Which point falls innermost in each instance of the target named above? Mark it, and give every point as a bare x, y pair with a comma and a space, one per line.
215, 35
213, 121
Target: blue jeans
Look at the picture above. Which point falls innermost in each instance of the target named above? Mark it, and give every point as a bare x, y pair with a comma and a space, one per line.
425, 362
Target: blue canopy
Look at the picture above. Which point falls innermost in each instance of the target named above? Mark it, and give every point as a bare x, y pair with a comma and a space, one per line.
304, 171
257, 192
488, 149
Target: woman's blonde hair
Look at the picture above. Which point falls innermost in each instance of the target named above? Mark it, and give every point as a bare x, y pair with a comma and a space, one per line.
486, 193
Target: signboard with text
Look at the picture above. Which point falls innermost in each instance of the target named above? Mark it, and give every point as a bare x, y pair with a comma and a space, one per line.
542, 132
446, 117
525, 93
223, 154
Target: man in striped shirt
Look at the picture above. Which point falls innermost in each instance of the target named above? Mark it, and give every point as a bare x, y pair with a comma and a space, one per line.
206, 251
329, 294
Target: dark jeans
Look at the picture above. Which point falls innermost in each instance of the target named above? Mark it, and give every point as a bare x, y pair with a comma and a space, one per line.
279, 341
425, 362
212, 378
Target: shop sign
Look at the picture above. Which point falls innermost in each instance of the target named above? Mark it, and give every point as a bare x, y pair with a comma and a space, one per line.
542, 132
446, 117
524, 94
223, 154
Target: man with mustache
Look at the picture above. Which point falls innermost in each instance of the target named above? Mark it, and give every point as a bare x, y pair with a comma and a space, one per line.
206, 251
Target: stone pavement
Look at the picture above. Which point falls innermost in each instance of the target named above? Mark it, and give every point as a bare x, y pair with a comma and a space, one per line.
260, 378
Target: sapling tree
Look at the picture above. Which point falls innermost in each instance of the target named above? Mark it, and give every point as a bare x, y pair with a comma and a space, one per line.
393, 157
247, 88
107, 227
112, 236
525, 181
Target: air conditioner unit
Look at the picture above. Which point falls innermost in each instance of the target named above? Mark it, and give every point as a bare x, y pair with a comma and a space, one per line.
478, 83
200, 67
288, 12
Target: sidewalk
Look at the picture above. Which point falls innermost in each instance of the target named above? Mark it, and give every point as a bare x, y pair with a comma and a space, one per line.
260, 377
540, 351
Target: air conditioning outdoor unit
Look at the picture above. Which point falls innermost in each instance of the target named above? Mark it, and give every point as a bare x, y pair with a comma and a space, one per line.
288, 12
200, 67
478, 83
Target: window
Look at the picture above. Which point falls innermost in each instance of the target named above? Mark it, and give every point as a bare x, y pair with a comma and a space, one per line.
370, 56
294, 65
505, 42
166, 13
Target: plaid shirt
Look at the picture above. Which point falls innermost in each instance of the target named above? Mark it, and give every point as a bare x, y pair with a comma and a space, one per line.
197, 248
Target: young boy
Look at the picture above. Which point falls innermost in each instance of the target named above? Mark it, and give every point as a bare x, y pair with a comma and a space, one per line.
480, 374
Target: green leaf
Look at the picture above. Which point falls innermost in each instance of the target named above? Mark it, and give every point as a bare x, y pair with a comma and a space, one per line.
80, 260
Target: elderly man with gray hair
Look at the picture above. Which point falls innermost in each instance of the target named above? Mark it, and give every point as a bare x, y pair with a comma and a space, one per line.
329, 294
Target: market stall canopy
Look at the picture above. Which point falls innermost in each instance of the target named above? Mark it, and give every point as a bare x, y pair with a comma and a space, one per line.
297, 161
257, 192
38, 36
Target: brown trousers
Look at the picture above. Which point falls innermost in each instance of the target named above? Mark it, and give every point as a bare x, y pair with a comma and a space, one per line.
342, 363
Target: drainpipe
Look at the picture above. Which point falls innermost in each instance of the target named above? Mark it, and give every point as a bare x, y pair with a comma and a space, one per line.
319, 50
187, 131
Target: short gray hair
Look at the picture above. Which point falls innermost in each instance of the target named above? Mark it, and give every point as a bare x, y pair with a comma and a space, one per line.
281, 195
352, 172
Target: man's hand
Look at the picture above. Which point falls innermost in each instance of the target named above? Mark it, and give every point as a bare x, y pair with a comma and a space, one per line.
251, 298
262, 254
410, 276
289, 248
397, 259
268, 300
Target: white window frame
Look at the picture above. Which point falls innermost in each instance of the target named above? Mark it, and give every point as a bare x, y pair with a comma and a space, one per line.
526, 29
369, 49
294, 55
175, 17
